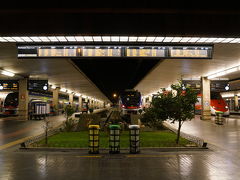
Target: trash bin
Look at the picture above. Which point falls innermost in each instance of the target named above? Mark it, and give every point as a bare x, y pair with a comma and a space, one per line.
114, 139
93, 139
134, 139
219, 118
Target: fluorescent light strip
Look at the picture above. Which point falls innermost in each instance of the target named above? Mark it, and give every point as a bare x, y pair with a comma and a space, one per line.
202, 39
159, 39
79, 38
176, 39
18, 39
61, 38
227, 40
237, 40
114, 38
7, 73
44, 39
36, 39
168, 39
224, 72
193, 40
219, 40
71, 38
9, 39
123, 38
3, 40
185, 39
209, 40
97, 38
53, 39
141, 39
27, 39
150, 39
88, 38
132, 39
106, 38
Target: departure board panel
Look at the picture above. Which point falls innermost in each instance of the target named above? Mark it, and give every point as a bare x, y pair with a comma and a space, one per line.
190, 52
101, 51
8, 85
65, 51
80, 51
38, 85
145, 51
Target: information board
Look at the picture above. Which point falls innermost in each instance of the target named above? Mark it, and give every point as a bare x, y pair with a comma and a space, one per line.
101, 51
8, 85
58, 51
145, 51
189, 52
41, 85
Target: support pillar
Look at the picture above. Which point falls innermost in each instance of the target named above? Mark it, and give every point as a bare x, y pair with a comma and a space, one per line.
205, 91
56, 98
71, 98
80, 103
236, 102
23, 99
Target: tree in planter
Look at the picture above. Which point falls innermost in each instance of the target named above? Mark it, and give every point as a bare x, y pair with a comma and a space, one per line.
69, 123
176, 105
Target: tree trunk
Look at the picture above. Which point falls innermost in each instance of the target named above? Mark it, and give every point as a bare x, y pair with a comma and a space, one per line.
178, 132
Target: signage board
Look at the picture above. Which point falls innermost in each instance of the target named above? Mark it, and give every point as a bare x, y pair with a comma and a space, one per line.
8, 85
41, 85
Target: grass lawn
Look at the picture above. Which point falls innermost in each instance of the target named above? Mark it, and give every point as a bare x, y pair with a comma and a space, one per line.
147, 139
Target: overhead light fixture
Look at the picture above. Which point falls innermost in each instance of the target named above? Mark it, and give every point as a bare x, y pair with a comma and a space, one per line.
88, 38
202, 39
79, 38
9, 39
3, 40
70, 38
53, 38
44, 39
97, 38
227, 40
168, 39
7, 73
106, 38
63, 90
192, 40
150, 39
141, 39
18, 39
36, 39
132, 39
61, 38
123, 38
185, 39
224, 72
27, 39
159, 39
115, 38
176, 39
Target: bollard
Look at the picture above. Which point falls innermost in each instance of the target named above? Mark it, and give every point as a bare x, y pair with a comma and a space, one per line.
134, 139
93, 139
114, 139
219, 119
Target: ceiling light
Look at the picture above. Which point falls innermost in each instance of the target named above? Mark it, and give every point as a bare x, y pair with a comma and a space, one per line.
185, 39
194, 39
209, 40
176, 39
123, 38
70, 38
115, 38
202, 39
132, 39
44, 39
97, 38
88, 38
79, 38
53, 38
63, 90
106, 38
7, 73
150, 39
158, 39
218, 40
227, 40
237, 40
18, 39
9, 39
61, 38
2, 40
168, 39
27, 39
36, 39
141, 39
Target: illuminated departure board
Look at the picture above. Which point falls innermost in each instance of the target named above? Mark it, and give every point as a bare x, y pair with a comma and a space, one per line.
189, 52
58, 52
77, 51
8, 85
145, 51
101, 51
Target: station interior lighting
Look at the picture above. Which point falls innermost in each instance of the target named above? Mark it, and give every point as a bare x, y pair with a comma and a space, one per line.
224, 72
98, 38
7, 73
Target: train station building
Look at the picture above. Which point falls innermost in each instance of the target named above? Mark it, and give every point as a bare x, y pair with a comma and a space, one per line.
85, 58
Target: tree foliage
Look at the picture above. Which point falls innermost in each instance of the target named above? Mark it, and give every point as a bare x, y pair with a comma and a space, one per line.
176, 105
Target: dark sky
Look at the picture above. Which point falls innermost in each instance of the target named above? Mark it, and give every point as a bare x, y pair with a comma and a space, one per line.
117, 74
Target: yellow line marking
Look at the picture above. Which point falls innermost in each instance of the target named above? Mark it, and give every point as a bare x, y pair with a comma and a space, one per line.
13, 143
90, 156
151, 156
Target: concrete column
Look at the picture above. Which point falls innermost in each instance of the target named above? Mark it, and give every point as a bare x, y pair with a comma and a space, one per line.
236, 102
23, 99
205, 90
56, 98
80, 103
71, 98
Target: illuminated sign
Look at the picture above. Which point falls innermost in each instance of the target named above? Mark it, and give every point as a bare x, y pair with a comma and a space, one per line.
145, 52
8, 85
41, 85
190, 52
76, 51
101, 51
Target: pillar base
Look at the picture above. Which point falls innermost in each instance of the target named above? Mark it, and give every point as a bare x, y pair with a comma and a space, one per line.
206, 115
